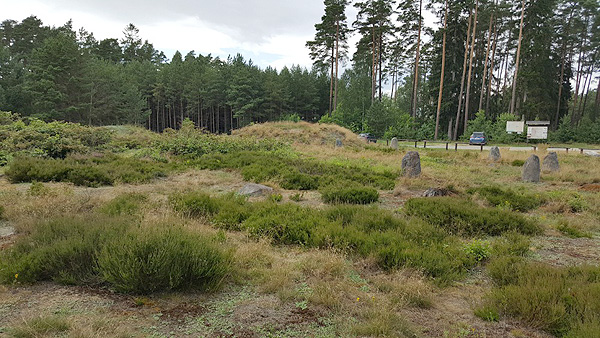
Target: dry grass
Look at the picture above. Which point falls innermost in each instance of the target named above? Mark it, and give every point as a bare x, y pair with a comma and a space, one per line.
301, 133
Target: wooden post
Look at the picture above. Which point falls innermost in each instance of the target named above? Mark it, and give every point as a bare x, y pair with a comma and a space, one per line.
416, 143
481, 148
567, 150
446, 145
581, 151
455, 146
424, 144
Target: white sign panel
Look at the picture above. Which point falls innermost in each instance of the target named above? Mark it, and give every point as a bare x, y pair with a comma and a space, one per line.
537, 133
515, 127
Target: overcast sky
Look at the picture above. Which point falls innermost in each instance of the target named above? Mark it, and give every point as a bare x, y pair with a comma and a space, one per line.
270, 32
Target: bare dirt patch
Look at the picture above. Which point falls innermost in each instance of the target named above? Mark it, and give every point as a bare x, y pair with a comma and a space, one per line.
564, 251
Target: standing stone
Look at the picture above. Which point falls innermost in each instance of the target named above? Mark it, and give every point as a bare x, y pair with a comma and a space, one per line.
531, 169
411, 164
338, 143
495, 154
254, 190
551, 162
394, 143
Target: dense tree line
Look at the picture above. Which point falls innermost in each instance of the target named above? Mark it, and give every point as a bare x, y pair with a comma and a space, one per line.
482, 58
530, 59
56, 73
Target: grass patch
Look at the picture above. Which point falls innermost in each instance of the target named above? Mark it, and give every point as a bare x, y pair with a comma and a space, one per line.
85, 171
561, 301
571, 232
126, 204
509, 198
41, 326
463, 217
115, 252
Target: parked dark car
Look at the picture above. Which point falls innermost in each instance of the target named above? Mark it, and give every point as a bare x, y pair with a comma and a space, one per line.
478, 138
368, 137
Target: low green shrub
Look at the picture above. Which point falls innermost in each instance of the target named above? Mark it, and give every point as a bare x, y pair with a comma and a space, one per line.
87, 171
511, 243
517, 163
479, 250
516, 201
126, 204
569, 231
463, 217
194, 204
147, 261
298, 181
561, 301
349, 193
367, 231
115, 251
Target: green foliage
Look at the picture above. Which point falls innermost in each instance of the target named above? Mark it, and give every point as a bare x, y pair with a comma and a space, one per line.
126, 204
349, 193
276, 198
54, 140
569, 231
517, 201
366, 231
194, 204
148, 261
86, 171
38, 189
561, 301
295, 173
458, 216
479, 250
517, 163
98, 250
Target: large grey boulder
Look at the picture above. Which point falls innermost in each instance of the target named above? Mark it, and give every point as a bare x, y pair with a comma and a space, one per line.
394, 143
531, 169
495, 154
411, 164
551, 162
338, 143
254, 190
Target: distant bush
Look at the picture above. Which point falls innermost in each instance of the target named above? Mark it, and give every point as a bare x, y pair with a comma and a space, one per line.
517, 163
295, 173
147, 261
194, 204
109, 250
351, 194
562, 301
85, 171
459, 216
497, 196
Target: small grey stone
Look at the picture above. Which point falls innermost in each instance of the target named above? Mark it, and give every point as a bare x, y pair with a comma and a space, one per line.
551, 162
394, 143
6, 231
411, 164
254, 190
434, 192
531, 169
495, 154
338, 143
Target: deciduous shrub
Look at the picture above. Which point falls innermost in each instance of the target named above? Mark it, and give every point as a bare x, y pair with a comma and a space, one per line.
459, 216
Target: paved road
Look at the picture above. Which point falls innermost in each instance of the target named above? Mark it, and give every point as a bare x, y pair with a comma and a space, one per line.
590, 152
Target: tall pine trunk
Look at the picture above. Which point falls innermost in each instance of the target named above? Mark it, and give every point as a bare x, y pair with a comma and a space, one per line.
471, 54
485, 65
513, 99
462, 81
439, 103
492, 64
417, 57
337, 60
